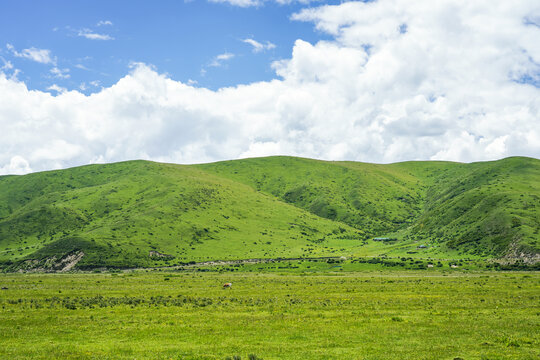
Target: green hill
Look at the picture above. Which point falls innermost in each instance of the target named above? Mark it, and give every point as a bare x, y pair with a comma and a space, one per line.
374, 198
487, 208
140, 213
118, 214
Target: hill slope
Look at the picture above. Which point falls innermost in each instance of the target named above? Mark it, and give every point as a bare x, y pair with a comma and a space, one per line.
485, 208
118, 214
371, 197
141, 213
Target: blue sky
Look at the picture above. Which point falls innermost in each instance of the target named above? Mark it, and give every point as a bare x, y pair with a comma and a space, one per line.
205, 80
179, 38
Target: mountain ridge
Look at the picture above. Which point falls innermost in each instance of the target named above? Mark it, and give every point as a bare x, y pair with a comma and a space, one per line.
119, 213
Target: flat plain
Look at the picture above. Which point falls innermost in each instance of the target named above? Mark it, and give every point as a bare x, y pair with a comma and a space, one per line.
371, 314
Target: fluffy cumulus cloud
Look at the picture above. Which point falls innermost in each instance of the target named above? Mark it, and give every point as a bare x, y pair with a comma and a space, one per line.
451, 80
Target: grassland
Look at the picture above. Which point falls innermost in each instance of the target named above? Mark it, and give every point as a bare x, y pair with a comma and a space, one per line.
143, 214
371, 314
428, 290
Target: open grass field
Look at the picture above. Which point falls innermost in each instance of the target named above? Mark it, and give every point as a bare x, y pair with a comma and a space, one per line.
371, 314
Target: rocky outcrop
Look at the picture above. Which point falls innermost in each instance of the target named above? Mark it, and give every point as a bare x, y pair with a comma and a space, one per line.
157, 254
518, 253
51, 264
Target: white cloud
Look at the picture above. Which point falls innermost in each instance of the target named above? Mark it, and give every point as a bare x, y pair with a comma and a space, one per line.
39, 55
225, 56
17, 166
257, 46
60, 73
57, 88
249, 3
241, 3
89, 34
220, 59
104, 23
458, 84
7, 64
58, 149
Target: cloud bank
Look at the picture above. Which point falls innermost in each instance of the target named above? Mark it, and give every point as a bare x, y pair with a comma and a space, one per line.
451, 80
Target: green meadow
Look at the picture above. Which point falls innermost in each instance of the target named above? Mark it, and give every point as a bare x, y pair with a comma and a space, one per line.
371, 314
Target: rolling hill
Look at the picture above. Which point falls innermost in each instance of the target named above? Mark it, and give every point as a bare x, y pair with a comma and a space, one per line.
142, 214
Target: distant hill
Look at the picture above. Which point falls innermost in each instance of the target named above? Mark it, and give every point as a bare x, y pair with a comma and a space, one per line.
141, 214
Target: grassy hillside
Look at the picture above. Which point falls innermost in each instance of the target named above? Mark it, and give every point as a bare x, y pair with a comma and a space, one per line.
117, 214
141, 213
374, 198
485, 208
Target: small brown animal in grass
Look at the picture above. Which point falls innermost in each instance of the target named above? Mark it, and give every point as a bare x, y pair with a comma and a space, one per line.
227, 285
